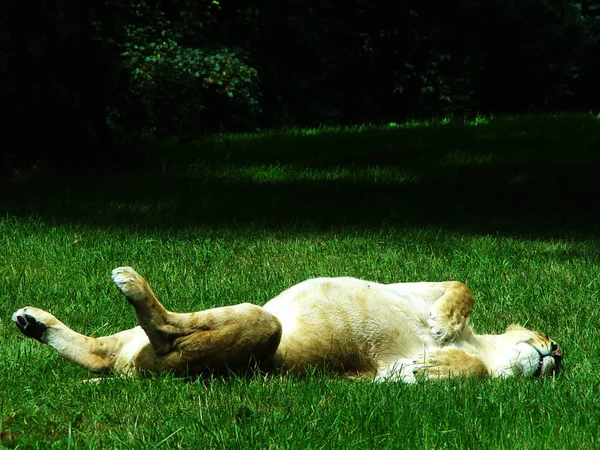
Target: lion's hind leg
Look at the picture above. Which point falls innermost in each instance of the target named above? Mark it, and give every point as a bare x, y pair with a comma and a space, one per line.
450, 313
211, 340
96, 354
151, 314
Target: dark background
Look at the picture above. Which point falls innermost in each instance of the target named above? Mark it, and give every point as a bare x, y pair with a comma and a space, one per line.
82, 81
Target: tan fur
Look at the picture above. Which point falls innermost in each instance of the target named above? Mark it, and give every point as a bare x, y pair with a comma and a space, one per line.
402, 331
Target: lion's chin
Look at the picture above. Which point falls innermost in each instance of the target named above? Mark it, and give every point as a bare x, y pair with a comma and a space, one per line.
550, 364
547, 366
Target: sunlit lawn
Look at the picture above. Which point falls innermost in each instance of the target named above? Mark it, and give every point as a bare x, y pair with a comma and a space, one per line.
508, 206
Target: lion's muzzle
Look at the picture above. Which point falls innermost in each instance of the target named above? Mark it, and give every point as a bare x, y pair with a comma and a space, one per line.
550, 363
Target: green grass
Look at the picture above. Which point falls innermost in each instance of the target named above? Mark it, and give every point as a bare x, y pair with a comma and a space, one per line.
221, 220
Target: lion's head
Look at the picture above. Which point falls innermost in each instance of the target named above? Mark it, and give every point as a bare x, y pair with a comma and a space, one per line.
523, 352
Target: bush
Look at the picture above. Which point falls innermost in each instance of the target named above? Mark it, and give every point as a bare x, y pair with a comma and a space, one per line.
174, 88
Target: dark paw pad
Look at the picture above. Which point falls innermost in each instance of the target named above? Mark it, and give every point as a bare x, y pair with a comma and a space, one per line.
30, 327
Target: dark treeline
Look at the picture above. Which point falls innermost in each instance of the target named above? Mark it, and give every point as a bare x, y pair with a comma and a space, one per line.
80, 78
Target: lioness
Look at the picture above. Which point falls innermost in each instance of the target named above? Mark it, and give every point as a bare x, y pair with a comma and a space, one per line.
404, 331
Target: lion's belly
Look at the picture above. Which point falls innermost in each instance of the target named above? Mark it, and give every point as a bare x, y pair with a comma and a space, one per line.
347, 324
136, 354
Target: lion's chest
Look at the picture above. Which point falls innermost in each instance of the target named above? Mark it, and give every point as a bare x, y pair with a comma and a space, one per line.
348, 323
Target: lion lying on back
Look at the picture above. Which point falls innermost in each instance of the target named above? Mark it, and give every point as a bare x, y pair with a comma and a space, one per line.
404, 331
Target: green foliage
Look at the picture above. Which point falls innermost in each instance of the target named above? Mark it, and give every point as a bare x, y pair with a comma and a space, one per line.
173, 87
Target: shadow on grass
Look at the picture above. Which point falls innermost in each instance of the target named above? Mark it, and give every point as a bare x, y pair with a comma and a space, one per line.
479, 201
529, 179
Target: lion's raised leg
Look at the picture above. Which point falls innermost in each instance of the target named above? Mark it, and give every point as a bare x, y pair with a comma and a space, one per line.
97, 354
214, 339
151, 314
450, 313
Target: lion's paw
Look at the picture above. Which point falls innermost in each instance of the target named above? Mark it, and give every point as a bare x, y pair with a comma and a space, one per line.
448, 362
30, 322
128, 281
444, 329
438, 330
400, 370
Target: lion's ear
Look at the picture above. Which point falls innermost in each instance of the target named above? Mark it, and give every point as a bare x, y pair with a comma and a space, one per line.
515, 326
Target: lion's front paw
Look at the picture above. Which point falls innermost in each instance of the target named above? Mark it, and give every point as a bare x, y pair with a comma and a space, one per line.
445, 329
448, 362
29, 322
441, 329
400, 370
